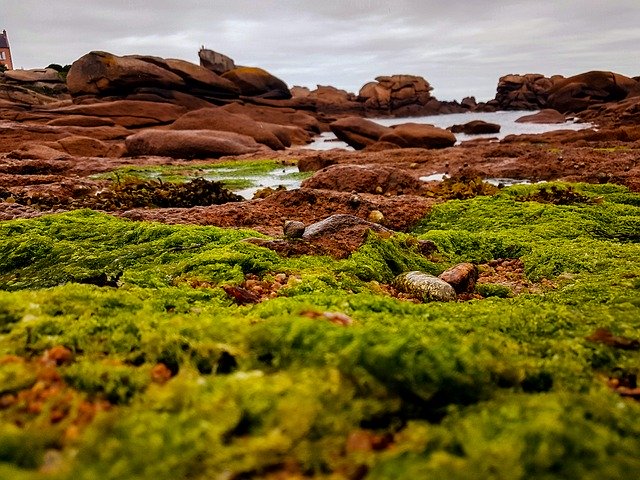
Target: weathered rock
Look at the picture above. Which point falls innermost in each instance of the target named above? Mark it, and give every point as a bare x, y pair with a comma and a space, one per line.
19, 94
198, 80
299, 92
154, 94
392, 92
47, 75
579, 92
293, 229
340, 224
424, 286
281, 116
216, 62
461, 277
290, 134
339, 235
88, 147
469, 102
314, 163
625, 112
418, 135
127, 113
358, 132
381, 146
332, 100
365, 179
81, 121
303, 204
523, 92
222, 120
37, 151
475, 127
103, 74
548, 115
190, 143
256, 82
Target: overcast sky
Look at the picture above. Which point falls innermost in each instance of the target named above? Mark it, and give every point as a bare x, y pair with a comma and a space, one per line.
460, 47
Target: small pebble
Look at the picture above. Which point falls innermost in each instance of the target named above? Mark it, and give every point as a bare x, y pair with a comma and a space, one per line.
376, 216
293, 229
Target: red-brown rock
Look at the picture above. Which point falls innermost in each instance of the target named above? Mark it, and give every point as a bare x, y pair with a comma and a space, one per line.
417, 135
461, 277
103, 74
392, 92
577, 93
365, 179
358, 132
127, 113
548, 115
189, 143
81, 121
256, 82
281, 116
523, 92
475, 127
222, 120
87, 147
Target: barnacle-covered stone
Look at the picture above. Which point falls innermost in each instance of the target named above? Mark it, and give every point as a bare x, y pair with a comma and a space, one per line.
425, 286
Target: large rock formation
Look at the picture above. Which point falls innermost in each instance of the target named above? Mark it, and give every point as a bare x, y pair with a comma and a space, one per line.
389, 93
567, 95
104, 74
579, 92
524, 92
396, 95
360, 133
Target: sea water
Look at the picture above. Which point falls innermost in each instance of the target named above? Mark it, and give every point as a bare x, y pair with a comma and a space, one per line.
506, 120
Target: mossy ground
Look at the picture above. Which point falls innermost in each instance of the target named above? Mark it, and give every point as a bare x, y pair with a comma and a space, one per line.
501, 388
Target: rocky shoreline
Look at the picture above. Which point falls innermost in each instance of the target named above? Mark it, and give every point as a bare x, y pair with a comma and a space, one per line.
62, 125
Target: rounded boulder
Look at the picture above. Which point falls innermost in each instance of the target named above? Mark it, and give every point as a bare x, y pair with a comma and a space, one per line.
189, 143
257, 82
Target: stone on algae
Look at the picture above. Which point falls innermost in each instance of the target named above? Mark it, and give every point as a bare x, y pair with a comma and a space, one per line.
425, 286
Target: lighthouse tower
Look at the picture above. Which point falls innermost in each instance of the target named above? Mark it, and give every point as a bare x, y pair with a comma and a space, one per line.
5, 51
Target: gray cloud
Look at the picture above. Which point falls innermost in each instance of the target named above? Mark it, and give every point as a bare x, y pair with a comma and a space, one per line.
461, 47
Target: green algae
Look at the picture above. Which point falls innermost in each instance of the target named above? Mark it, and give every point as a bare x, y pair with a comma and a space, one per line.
505, 387
233, 175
